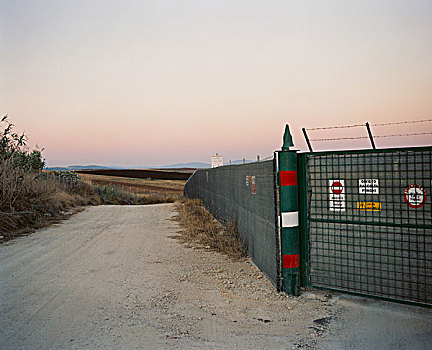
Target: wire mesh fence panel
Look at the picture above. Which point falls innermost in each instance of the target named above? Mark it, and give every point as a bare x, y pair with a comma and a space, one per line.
370, 225
245, 193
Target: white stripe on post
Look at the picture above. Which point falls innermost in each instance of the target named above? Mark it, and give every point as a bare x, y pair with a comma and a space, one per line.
290, 219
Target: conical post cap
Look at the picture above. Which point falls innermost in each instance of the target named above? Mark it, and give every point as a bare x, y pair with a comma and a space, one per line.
287, 139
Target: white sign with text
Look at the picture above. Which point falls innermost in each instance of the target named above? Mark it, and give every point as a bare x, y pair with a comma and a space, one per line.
368, 186
337, 195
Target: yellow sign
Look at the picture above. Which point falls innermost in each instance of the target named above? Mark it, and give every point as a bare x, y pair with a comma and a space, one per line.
369, 206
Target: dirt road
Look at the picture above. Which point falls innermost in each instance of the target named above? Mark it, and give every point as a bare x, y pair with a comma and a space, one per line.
112, 277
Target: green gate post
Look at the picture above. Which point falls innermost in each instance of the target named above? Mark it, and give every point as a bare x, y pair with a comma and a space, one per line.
303, 217
289, 218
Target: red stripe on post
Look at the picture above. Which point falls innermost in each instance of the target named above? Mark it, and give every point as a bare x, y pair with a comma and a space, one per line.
288, 178
291, 261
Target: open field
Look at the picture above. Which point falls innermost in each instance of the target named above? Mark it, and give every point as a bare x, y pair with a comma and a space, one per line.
160, 174
136, 185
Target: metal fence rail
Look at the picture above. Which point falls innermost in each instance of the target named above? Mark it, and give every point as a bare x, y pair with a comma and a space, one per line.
245, 193
369, 222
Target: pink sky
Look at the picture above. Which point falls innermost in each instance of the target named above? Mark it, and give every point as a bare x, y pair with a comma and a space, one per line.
134, 83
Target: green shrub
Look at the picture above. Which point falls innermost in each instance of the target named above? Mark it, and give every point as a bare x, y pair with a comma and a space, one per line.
13, 146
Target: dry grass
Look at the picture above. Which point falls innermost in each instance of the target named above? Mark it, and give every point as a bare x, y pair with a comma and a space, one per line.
115, 195
199, 226
137, 186
30, 200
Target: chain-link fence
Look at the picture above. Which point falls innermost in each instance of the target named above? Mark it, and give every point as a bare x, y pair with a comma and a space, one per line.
370, 225
245, 193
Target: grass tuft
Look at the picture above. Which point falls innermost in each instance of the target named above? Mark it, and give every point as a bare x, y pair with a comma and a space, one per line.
199, 226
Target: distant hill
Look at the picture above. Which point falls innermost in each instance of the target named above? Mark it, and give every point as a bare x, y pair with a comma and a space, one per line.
79, 167
189, 165
195, 165
57, 168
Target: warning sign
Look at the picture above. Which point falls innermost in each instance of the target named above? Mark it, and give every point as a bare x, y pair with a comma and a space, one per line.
336, 186
368, 186
415, 196
253, 185
369, 206
337, 195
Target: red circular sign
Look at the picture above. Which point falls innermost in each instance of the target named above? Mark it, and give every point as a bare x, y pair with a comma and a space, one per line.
337, 187
414, 196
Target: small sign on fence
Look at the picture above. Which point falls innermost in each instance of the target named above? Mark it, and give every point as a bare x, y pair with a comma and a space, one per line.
414, 196
369, 206
368, 186
216, 161
253, 185
251, 180
337, 195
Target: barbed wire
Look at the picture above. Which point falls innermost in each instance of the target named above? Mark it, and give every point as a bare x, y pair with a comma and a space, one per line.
366, 137
362, 125
409, 122
340, 138
399, 135
336, 127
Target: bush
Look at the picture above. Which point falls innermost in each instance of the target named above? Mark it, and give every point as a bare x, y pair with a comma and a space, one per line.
27, 195
14, 147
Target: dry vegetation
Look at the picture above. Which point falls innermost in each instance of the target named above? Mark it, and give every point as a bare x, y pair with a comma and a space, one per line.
137, 186
112, 194
200, 227
121, 190
31, 198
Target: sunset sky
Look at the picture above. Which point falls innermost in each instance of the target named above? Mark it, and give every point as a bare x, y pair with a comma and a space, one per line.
135, 83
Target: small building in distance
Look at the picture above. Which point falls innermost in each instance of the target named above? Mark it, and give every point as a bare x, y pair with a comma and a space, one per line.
216, 161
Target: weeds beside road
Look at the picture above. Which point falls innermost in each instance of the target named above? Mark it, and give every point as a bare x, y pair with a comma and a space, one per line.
32, 200
200, 227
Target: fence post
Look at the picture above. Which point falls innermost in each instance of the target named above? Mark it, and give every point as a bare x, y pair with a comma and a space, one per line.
370, 135
303, 218
289, 216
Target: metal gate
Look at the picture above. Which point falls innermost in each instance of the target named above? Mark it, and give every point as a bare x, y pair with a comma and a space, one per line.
368, 224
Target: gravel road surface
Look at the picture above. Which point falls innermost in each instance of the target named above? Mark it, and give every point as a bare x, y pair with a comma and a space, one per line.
113, 277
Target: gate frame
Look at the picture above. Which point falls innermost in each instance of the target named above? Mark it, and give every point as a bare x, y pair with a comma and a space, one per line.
303, 192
